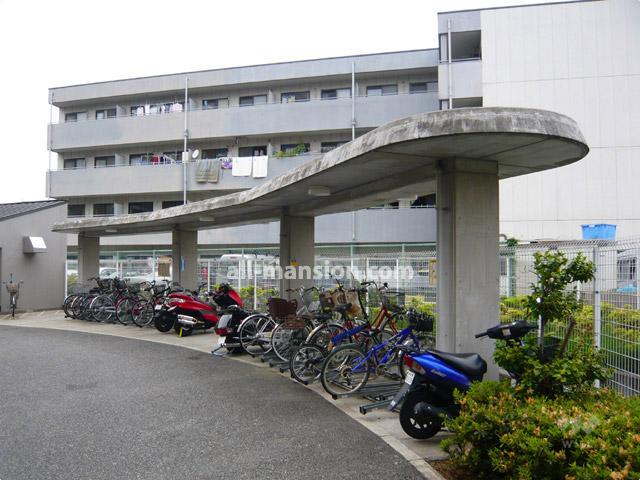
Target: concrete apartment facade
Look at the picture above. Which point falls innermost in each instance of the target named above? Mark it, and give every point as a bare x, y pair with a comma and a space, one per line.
577, 58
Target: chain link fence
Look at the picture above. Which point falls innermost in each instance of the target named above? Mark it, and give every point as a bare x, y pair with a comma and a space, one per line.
609, 316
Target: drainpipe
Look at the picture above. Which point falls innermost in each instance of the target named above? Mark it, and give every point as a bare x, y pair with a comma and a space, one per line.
450, 82
185, 154
353, 134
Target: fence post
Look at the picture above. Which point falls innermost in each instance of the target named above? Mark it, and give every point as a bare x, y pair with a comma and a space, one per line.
597, 307
255, 283
208, 275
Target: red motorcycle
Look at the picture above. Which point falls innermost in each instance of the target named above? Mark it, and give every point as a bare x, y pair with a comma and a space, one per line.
185, 312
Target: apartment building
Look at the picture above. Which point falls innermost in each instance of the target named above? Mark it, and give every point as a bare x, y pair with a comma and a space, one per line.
119, 143
581, 59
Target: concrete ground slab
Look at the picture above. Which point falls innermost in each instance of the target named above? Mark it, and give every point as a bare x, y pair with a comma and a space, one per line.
381, 422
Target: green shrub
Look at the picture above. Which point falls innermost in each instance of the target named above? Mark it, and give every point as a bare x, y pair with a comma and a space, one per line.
551, 376
501, 433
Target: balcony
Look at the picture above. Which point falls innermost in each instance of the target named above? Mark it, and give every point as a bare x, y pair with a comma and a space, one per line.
467, 79
267, 119
149, 179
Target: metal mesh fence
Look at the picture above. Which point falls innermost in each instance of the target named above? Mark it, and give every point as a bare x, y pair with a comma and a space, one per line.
609, 316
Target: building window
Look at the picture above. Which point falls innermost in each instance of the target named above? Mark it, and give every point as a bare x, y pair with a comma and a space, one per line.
75, 210
213, 103
137, 110
467, 102
377, 90
140, 207
465, 45
253, 100
256, 151
109, 161
422, 87
291, 149
292, 97
444, 104
444, 47
333, 93
328, 146
171, 203
74, 163
75, 116
103, 209
140, 159
170, 157
105, 113
215, 153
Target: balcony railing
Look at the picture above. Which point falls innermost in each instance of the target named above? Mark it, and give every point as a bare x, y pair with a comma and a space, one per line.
152, 179
432, 86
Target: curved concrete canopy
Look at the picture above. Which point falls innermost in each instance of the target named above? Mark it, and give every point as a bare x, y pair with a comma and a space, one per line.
396, 160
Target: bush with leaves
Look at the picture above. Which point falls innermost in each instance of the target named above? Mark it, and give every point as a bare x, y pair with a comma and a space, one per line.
504, 432
572, 373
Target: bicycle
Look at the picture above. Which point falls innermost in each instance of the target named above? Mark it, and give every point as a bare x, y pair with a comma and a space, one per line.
348, 367
14, 292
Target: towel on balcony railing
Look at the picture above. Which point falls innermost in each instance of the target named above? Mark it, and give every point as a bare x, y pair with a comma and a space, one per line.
260, 166
241, 166
208, 170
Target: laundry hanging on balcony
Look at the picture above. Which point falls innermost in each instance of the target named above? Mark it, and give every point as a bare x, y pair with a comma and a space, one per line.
242, 166
208, 170
260, 166
226, 163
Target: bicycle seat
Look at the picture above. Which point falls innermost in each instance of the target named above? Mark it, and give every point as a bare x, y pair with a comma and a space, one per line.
343, 307
470, 363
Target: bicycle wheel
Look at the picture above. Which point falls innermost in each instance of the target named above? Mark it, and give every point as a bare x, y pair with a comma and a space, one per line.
14, 305
66, 305
322, 336
142, 313
285, 340
124, 308
346, 369
254, 334
306, 362
102, 308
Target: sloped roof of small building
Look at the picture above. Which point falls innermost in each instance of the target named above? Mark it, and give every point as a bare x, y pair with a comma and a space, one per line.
11, 210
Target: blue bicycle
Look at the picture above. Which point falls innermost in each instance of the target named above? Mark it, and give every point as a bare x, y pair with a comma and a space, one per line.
348, 367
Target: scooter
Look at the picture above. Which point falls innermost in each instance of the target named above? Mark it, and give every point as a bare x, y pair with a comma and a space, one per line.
191, 313
432, 376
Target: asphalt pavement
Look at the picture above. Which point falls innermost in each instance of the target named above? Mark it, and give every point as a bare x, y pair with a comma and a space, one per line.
82, 406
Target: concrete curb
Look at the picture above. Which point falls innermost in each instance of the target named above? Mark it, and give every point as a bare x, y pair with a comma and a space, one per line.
376, 423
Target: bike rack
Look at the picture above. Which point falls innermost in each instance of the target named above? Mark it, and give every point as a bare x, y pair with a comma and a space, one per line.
373, 390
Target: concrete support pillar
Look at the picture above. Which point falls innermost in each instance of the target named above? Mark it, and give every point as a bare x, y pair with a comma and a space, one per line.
468, 267
88, 257
297, 244
184, 257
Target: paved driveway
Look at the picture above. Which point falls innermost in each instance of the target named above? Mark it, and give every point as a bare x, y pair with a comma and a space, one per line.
75, 405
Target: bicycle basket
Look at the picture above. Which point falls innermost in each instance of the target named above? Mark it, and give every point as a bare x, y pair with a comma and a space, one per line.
158, 289
326, 302
281, 308
13, 288
392, 298
422, 322
78, 288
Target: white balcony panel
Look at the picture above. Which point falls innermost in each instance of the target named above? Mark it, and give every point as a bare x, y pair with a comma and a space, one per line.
314, 116
149, 179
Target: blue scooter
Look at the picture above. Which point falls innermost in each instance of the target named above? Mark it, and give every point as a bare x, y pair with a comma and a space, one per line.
432, 377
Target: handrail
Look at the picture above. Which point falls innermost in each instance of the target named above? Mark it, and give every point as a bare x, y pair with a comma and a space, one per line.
276, 101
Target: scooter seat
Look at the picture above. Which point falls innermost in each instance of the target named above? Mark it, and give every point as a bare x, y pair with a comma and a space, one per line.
343, 307
470, 363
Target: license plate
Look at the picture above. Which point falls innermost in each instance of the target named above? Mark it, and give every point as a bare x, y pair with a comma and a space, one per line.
224, 321
220, 341
409, 378
158, 307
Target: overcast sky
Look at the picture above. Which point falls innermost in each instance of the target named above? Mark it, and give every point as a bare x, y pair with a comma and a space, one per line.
46, 43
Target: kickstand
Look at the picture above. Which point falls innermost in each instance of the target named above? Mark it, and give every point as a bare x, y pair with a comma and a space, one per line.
215, 353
